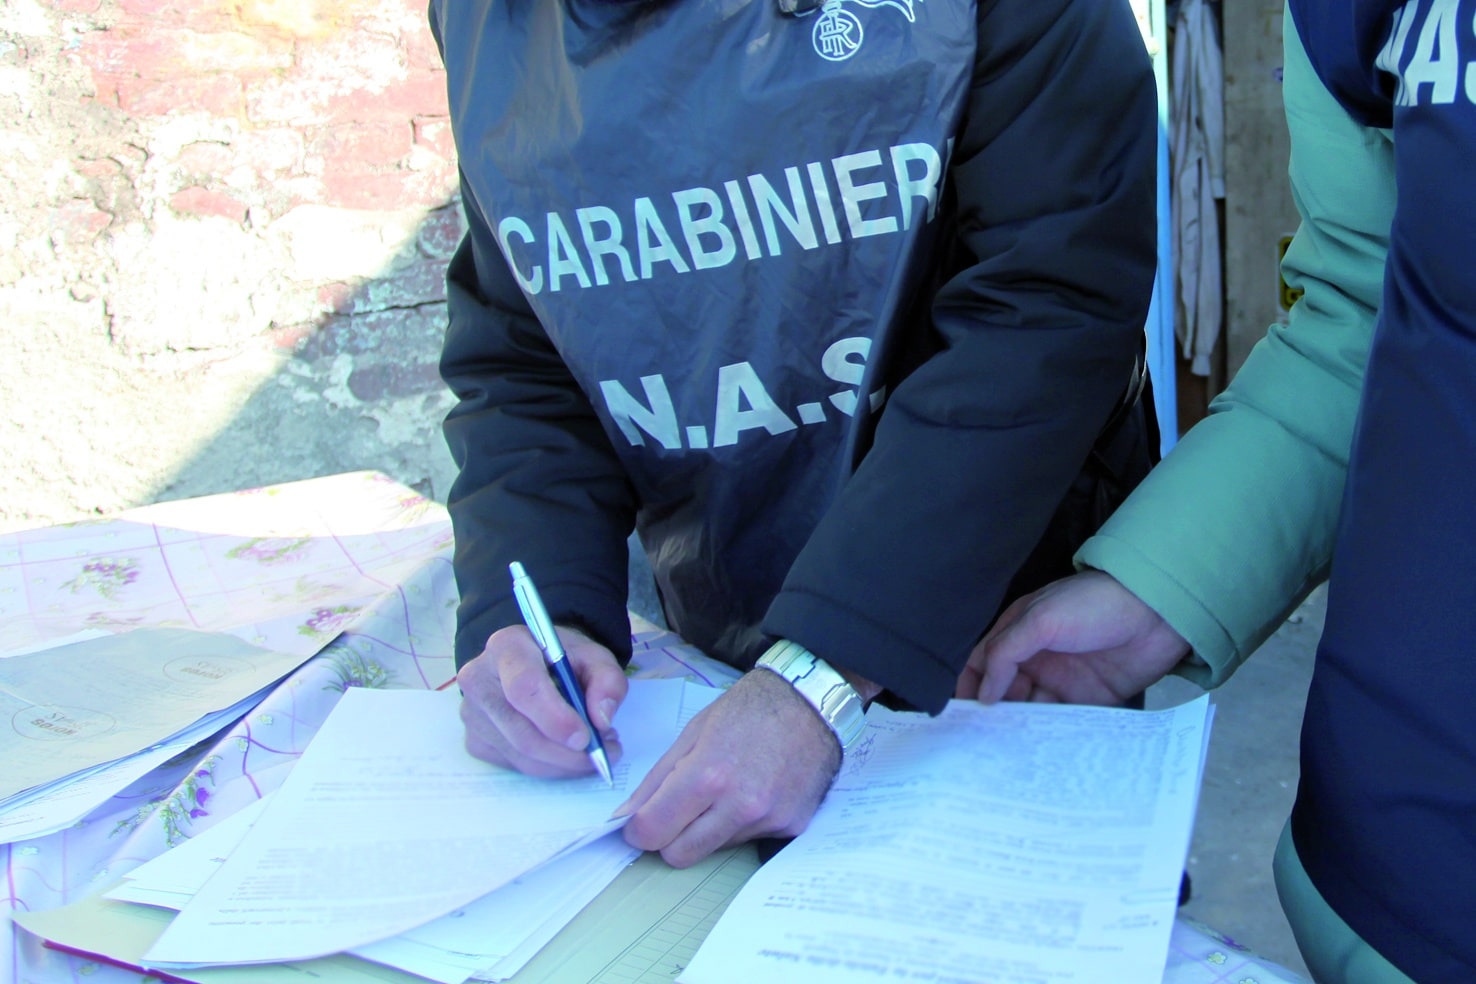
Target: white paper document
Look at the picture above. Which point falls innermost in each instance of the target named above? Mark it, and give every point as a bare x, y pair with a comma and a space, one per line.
171, 879
490, 939
494, 937
75, 707
44, 809
387, 823
1004, 843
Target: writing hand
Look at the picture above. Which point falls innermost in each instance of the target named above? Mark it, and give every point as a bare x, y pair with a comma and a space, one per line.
1085, 639
514, 714
755, 762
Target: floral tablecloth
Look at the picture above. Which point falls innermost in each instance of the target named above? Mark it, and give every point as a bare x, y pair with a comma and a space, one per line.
355, 569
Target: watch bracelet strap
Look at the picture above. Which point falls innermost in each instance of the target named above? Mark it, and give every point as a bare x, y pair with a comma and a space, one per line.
829, 693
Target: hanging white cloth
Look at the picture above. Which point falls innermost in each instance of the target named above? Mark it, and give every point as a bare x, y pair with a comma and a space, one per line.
1197, 159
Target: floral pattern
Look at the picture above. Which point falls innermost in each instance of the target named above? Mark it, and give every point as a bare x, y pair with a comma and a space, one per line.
105, 576
181, 808
356, 670
404, 639
329, 621
270, 550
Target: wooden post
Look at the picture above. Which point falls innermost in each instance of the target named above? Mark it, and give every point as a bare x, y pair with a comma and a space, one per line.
1259, 213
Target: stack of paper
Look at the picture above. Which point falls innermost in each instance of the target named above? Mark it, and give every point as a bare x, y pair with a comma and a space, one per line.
390, 842
488, 940
1016, 842
126, 641
387, 823
643, 928
989, 844
90, 717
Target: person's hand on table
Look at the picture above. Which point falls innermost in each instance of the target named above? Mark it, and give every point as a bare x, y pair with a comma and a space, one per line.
756, 762
1085, 639
515, 716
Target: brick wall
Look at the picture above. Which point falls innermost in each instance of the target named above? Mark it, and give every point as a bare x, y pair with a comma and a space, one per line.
217, 215
268, 112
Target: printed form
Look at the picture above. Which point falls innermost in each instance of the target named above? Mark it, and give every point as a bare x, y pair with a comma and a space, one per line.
489, 939
1004, 843
387, 823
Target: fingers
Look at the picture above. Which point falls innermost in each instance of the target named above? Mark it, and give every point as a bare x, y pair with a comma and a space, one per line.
653, 780
515, 715
756, 762
967, 687
604, 682
514, 745
689, 816
1085, 639
1006, 646
534, 698
681, 816
716, 829
971, 679
665, 803
1019, 688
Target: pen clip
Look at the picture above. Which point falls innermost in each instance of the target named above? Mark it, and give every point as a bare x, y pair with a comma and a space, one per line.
535, 616
538, 626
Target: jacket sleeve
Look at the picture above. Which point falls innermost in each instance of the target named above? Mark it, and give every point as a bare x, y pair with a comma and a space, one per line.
1236, 525
1054, 176
538, 481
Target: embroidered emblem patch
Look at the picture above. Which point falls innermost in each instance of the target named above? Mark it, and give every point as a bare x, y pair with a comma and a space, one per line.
838, 33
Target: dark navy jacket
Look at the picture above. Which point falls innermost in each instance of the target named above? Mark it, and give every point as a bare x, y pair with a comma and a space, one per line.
832, 308
1385, 819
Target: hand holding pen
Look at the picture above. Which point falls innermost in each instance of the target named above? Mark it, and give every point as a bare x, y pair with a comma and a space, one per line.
535, 615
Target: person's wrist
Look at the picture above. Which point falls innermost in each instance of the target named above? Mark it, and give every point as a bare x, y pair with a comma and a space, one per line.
838, 703
868, 690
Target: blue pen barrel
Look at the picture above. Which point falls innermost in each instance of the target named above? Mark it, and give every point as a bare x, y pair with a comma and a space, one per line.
535, 615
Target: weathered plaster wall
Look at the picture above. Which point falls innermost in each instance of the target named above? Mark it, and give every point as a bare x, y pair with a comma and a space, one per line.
223, 229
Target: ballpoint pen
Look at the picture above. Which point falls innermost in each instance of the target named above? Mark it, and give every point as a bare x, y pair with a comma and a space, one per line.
538, 622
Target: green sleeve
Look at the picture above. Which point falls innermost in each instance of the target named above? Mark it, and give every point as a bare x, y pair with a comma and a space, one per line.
1236, 525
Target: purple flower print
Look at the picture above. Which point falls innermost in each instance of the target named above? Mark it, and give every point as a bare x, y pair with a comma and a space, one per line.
328, 621
180, 808
270, 550
105, 576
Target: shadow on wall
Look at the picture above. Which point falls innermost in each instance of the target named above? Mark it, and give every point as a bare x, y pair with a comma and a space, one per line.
225, 232
357, 389
223, 240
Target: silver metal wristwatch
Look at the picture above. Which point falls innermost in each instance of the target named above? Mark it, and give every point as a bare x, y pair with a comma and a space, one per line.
835, 700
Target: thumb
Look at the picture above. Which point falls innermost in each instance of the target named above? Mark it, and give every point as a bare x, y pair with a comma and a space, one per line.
605, 687
600, 676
